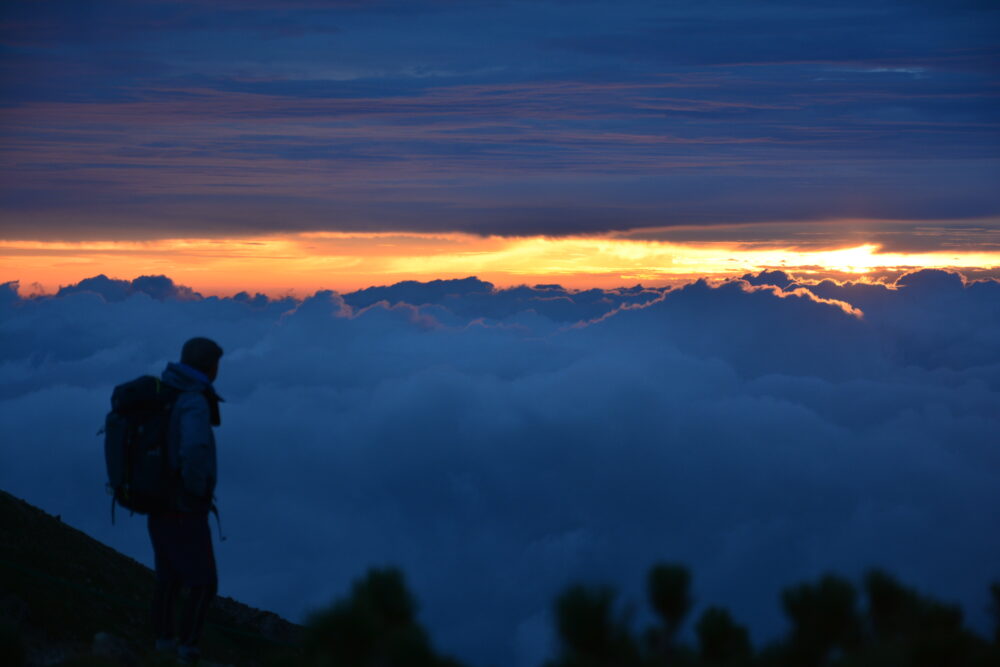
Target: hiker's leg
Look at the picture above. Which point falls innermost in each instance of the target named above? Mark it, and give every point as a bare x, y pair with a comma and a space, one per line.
163, 612
193, 618
167, 582
202, 579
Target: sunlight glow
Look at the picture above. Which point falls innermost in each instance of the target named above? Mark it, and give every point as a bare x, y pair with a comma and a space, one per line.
302, 263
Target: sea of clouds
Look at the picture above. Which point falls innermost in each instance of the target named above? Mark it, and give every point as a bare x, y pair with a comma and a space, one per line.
500, 444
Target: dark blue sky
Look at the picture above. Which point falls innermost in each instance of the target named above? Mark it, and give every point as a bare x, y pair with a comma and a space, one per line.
125, 120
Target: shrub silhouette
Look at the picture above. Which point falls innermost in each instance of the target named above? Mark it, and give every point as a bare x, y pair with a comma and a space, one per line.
824, 617
668, 586
891, 607
374, 627
721, 641
917, 629
590, 633
668, 589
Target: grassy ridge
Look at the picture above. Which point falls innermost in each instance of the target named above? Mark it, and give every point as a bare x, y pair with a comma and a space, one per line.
59, 587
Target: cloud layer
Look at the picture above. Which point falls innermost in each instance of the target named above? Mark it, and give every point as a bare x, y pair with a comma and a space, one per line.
497, 444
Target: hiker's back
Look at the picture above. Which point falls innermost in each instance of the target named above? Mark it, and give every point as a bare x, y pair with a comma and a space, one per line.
190, 439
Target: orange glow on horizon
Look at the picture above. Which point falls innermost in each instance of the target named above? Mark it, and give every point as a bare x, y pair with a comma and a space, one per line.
300, 264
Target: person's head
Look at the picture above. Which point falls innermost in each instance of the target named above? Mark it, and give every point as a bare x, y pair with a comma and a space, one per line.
203, 354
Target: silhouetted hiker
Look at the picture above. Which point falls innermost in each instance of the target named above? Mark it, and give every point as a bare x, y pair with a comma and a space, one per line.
182, 542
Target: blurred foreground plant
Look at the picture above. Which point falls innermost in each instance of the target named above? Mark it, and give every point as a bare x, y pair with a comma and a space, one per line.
831, 626
375, 626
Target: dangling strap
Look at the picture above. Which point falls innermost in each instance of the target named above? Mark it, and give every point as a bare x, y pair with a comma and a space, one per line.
213, 405
113, 499
218, 522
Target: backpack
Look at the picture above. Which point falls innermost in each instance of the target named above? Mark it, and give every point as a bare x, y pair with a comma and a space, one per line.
140, 477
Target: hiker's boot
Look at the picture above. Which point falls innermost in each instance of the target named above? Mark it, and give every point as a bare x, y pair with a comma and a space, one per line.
188, 655
165, 645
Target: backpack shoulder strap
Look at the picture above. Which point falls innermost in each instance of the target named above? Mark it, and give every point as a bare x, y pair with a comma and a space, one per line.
167, 394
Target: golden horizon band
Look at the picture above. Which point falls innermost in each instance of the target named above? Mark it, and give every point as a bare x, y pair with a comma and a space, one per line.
302, 263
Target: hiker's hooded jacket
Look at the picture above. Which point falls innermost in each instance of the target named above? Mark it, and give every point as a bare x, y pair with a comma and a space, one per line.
190, 440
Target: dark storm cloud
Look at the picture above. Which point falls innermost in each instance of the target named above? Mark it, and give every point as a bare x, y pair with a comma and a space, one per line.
497, 444
504, 118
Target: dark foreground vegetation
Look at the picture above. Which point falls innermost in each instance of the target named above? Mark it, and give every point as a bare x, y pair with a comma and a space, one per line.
886, 625
59, 589
832, 623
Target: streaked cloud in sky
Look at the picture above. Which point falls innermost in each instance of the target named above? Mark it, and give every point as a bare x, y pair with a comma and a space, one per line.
180, 119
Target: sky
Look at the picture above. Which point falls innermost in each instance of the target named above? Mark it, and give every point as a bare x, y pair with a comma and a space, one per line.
781, 126
520, 294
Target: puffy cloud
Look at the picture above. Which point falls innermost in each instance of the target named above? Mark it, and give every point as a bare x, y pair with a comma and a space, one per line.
8, 293
497, 444
472, 298
927, 318
158, 287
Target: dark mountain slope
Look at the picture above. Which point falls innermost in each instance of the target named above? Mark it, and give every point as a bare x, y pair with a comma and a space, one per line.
59, 588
